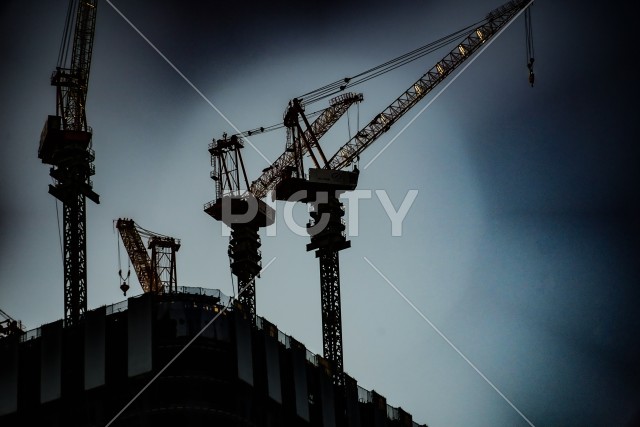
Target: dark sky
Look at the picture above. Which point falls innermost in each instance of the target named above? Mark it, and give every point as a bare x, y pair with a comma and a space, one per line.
522, 245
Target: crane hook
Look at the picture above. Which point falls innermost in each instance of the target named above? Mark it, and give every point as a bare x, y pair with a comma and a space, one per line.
532, 75
124, 288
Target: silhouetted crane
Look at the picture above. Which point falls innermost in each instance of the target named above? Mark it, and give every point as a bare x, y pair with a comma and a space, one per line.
328, 179
156, 273
65, 144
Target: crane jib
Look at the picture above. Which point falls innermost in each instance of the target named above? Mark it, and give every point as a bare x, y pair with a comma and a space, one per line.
496, 20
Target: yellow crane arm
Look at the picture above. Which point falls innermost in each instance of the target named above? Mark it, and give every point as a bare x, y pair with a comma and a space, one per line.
496, 20
137, 251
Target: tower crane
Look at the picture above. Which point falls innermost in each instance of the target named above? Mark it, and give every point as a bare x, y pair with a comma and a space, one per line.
65, 144
233, 208
156, 273
234, 202
328, 179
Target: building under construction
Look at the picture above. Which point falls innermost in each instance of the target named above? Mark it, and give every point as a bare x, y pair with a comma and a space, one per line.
184, 358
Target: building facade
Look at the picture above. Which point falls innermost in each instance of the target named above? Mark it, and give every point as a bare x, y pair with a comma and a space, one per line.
188, 358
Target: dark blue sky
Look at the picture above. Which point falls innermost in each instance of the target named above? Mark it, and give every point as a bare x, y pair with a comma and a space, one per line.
522, 245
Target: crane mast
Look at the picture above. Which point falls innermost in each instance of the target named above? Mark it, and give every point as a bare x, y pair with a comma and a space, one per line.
232, 206
65, 143
326, 182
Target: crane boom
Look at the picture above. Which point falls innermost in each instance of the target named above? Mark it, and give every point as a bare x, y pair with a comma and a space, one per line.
496, 20
272, 175
74, 81
137, 252
156, 273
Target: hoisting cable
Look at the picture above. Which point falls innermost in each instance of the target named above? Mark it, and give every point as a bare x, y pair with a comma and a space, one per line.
66, 35
148, 234
338, 86
529, 41
276, 126
342, 84
124, 286
59, 231
236, 284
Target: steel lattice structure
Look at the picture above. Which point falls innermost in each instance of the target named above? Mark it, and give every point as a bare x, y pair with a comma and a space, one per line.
66, 145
